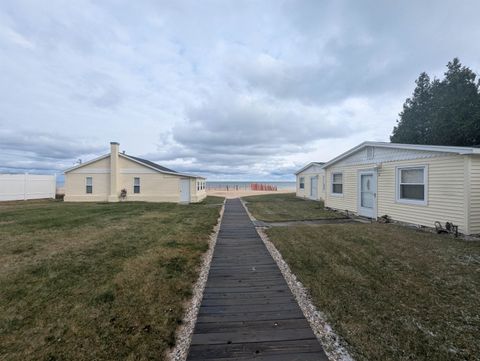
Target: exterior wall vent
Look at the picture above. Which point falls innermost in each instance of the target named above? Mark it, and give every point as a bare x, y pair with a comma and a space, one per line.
370, 153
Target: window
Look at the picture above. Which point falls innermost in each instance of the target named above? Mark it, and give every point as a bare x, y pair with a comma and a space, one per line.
337, 183
198, 186
411, 185
89, 185
136, 185
302, 182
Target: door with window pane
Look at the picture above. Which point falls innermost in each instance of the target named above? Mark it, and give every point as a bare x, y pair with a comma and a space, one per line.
314, 187
367, 192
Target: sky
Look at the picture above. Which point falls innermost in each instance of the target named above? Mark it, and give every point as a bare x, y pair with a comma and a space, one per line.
231, 90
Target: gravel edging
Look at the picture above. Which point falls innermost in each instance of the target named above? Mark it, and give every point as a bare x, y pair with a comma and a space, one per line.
331, 342
183, 335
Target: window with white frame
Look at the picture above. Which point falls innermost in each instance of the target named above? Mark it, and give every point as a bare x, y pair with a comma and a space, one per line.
302, 182
337, 183
412, 185
136, 185
89, 185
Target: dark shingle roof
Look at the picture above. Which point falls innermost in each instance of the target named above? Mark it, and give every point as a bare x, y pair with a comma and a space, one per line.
152, 164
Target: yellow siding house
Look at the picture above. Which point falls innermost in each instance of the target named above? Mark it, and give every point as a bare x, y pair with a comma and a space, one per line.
117, 176
311, 181
417, 184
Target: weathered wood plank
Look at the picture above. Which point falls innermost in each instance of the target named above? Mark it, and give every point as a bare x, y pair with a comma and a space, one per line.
252, 325
254, 300
246, 335
240, 288
280, 350
248, 311
234, 309
246, 294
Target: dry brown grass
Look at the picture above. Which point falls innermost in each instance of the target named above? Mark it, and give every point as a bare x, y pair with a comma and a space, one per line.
97, 281
287, 207
393, 293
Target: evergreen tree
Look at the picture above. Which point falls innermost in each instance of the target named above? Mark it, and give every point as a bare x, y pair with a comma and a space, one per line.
415, 118
445, 112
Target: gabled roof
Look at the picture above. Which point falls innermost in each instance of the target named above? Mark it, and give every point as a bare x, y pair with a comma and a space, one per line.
151, 164
141, 161
158, 167
308, 166
428, 148
86, 163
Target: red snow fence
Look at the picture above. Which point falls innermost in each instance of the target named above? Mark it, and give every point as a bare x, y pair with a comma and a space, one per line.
262, 187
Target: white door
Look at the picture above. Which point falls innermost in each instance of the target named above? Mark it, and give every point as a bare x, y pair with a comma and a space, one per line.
314, 187
185, 190
367, 194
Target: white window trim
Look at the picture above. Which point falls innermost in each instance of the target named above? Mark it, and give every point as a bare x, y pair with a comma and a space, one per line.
139, 185
398, 170
300, 182
86, 184
332, 193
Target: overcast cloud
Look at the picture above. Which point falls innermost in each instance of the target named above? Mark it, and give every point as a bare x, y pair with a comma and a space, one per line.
243, 90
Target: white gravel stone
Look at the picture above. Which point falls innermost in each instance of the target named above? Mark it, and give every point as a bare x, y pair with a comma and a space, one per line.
184, 333
332, 344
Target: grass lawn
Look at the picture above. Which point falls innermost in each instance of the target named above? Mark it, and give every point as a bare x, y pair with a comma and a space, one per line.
393, 293
86, 281
286, 207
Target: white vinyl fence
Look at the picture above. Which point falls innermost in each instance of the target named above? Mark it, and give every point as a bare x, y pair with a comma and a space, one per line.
26, 186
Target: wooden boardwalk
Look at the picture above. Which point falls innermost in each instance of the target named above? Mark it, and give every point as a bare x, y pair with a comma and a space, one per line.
248, 312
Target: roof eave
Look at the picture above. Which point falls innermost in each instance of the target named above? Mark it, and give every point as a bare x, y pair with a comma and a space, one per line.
308, 166
86, 163
431, 148
158, 170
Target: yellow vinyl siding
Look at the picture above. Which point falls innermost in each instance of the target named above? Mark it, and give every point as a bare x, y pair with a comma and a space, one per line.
475, 195
75, 182
154, 186
348, 200
301, 192
445, 191
321, 180
197, 195
307, 175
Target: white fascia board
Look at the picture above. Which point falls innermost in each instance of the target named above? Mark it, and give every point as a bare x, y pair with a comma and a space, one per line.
86, 163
